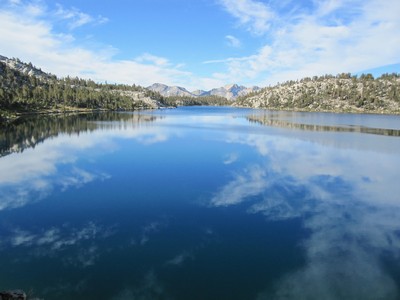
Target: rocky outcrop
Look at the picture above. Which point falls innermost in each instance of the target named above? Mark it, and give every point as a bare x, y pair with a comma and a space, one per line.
142, 97
233, 91
342, 93
16, 295
25, 68
168, 91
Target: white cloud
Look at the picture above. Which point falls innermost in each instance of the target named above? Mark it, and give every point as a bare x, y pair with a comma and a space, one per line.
326, 7
254, 15
332, 37
76, 18
152, 59
57, 53
233, 41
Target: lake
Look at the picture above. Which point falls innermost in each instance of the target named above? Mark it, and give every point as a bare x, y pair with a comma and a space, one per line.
201, 203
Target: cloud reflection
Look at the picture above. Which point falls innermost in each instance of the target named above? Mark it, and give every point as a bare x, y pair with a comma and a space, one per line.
148, 230
77, 245
251, 183
57, 238
231, 158
31, 175
349, 202
179, 259
150, 288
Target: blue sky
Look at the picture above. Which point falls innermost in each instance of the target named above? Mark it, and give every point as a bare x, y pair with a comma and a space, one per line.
201, 44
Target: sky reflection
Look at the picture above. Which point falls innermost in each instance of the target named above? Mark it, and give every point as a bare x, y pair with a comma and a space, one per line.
348, 200
34, 173
201, 201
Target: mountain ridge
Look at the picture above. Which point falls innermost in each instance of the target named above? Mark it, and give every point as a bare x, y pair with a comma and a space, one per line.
25, 68
328, 93
25, 88
229, 91
168, 91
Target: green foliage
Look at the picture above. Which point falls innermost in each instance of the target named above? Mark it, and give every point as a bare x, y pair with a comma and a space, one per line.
343, 92
189, 101
23, 93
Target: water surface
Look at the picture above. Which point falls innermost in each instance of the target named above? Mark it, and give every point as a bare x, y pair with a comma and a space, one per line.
201, 203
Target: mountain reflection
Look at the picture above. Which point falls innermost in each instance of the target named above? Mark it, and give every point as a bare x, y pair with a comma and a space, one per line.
268, 121
30, 131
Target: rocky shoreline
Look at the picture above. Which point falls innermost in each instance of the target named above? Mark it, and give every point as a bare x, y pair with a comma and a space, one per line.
16, 295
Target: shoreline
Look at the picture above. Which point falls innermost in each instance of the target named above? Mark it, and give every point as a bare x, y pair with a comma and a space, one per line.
7, 117
355, 112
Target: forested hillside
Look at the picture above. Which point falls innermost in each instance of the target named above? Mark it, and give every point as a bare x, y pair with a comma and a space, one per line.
203, 100
26, 89
20, 92
341, 93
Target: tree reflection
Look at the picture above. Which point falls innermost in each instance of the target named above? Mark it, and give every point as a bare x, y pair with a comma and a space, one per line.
30, 131
268, 121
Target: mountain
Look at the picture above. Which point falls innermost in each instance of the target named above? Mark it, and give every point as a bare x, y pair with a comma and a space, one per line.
198, 93
167, 91
230, 92
233, 91
26, 89
25, 68
341, 93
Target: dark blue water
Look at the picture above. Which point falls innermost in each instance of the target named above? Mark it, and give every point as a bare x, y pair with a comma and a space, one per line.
201, 203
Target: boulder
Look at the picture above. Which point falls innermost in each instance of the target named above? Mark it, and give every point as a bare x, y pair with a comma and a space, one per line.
13, 295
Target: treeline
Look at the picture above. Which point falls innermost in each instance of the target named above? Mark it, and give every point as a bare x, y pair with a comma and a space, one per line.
190, 101
20, 92
343, 92
23, 93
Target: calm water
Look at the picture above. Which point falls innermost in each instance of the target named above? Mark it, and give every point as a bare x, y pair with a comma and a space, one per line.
201, 203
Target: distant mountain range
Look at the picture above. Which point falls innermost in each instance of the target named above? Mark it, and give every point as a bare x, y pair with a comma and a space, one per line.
230, 92
26, 88
167, 91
